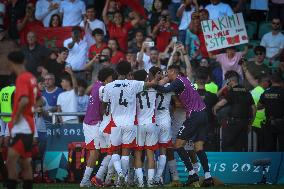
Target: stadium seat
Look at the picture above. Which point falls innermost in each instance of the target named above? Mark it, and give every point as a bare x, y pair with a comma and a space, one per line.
251, 29
264, 28
251, 46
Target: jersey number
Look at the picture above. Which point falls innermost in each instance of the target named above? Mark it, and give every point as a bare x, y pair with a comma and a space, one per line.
107, 111
5, 97
122, 102
140, 99
161, 102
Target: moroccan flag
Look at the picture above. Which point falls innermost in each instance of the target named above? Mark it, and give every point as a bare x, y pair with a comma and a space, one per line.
50, 37
233, 40
135, 5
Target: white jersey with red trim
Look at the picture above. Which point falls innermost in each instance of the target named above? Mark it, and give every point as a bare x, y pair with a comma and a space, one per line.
146, 103
106, 117
122, 97
163, 107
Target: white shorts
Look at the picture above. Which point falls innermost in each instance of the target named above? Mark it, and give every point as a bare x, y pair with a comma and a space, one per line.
123, 136
94, 139
165, 134
177, 121
147, 137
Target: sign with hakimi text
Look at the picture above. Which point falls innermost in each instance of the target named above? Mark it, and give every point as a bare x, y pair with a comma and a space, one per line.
224, 32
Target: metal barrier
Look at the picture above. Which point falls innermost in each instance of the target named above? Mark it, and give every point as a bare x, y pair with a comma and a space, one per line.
53, 115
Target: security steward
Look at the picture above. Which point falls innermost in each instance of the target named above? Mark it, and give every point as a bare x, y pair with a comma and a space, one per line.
6, 101
273, 102
241, 113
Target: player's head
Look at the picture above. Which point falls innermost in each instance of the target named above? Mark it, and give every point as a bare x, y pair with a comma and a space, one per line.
123, 68
202, 75
106, 75
173, 72
232, 78
155, 72
140, 75
17, 59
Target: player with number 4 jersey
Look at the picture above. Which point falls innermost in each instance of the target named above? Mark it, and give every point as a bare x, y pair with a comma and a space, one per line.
122, 97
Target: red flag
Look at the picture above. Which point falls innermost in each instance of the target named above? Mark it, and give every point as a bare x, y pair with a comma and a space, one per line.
50, 37
233, 40
135, 5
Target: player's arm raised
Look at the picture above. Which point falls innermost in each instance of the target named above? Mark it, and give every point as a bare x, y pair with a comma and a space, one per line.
175, 86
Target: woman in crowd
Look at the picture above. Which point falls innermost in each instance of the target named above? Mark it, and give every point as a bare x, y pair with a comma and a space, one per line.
118, 29
55, 21
117, 54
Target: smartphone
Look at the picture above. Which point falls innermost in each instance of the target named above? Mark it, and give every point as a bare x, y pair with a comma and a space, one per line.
174, 39
150, 44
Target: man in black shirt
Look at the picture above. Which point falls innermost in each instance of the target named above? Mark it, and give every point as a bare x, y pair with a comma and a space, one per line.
241, 113
273, 101
57, 66
35, 54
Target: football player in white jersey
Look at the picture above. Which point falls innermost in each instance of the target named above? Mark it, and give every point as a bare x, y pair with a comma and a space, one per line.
163, 121
104, 129
121, 94
146, 131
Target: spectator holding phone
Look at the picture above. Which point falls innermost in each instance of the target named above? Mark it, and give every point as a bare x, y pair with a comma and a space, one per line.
143, 56
164, 31
99, 61
185, 10
177, 57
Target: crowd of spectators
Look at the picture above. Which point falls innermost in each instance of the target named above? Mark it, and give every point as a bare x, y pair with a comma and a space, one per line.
105, 32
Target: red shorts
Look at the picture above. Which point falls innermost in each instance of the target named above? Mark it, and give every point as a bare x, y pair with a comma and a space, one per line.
22, 144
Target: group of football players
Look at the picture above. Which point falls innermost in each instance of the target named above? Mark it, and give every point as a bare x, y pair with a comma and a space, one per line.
136, 120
